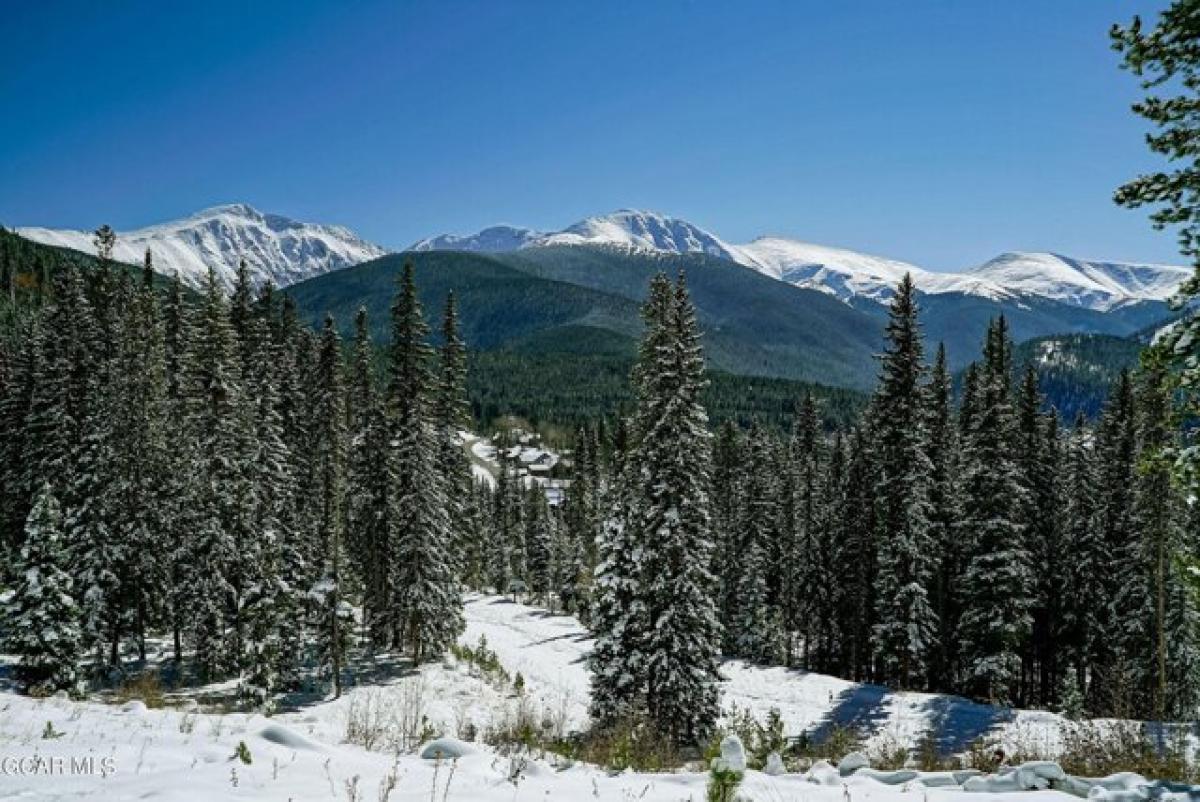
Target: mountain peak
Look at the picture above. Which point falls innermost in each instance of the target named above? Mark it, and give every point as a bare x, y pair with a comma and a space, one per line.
276, 248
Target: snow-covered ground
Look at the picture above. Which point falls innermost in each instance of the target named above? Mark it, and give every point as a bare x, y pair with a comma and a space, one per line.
59, 749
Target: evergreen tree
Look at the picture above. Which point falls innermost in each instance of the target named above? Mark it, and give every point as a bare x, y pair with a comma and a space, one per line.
906, 627
996, 616
43, 617
423, 585
451, 413
755, 626
671, 460
945, 500
329, 453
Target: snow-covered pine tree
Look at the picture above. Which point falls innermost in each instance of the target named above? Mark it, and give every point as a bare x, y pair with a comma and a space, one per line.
99, 547
727, 517
370, 482
452, 414
20, 356
329, 453
830, 632
220, 518
142, 504
756, 628
425, 592
1116, 455
804, 584
539, 540
619, 618
945, 517
671, 458
502, 531
1036, 454
182, 482
42, 615
857, 556
996, 618
905, 633
272, 608
1081, 600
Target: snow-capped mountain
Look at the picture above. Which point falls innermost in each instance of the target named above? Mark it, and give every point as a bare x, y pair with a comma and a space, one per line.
625, 228
494, 239
848, 274
631, 228
275, 248
1092, 284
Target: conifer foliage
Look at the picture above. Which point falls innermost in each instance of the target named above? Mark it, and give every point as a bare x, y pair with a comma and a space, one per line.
655, 619
205, 465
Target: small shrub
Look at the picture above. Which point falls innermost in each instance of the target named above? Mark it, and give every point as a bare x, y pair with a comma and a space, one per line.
242, 753
49, 733
722, 785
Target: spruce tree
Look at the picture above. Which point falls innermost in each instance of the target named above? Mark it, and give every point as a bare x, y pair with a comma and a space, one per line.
329, 453
945, 499
906, 629
424, 589
996, 617
452, 414
42, 615
671, 462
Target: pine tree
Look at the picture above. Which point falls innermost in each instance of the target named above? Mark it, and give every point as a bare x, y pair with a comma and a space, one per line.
801, 587
451, 413
42, 614
1079, 627
755, 625
906, 629
1116, 451
671, 460
1036, 456
996, 611
424, 588
214, 552
370, 472
945, 499
857, 561
329, 453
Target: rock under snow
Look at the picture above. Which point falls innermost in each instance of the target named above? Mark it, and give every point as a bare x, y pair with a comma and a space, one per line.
446, 749
852, 763
774, 766
281, 735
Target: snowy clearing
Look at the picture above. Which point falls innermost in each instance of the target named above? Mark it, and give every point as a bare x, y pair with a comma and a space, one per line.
59, 749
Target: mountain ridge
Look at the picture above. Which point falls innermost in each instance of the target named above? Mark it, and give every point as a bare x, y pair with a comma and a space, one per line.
276, 248
847, 274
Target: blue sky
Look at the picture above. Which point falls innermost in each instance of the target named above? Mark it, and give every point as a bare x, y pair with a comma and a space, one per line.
938, 132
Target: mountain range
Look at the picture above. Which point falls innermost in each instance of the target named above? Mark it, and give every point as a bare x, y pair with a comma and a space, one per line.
846, 274
286, 251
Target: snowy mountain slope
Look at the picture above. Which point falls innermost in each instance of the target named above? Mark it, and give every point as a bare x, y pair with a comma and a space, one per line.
275, 248
641, 230
494, 239
848, 274
625, 228
1093, 284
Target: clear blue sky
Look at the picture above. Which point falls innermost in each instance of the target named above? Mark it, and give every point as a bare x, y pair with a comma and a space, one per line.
938, 132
